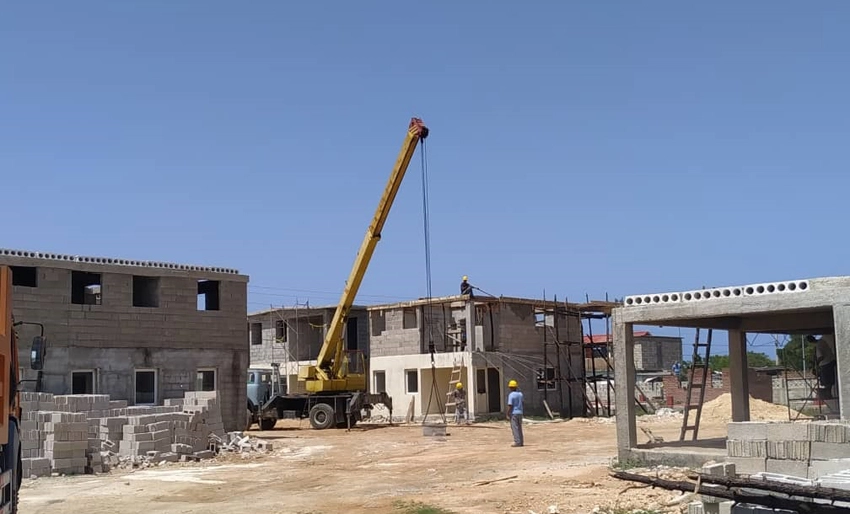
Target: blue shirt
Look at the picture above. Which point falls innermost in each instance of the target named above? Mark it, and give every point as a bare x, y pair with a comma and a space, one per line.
515, 401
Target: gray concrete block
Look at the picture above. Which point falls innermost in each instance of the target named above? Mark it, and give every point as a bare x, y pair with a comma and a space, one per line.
725, 507
829, 451
789, 450
748, 465
746, 448
827, 432
695, 508
747, 430
790, 431
819, 468
788, 467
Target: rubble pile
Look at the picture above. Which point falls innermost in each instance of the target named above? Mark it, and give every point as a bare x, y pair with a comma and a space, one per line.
238, 442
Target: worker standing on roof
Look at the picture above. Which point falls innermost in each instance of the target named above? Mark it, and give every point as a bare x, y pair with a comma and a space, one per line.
515, 413
465, 286
459, 399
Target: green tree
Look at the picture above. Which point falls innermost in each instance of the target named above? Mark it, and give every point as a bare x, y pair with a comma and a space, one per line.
759, 360
754, 360
791, 355
718, 362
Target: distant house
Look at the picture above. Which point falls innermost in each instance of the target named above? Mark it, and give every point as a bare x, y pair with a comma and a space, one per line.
652, 353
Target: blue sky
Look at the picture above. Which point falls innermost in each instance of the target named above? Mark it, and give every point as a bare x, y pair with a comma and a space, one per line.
589, 148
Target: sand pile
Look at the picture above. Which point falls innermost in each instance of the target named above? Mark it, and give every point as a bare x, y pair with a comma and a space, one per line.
720, 410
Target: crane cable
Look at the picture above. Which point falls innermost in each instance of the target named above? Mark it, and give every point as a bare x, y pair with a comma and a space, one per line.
426, 221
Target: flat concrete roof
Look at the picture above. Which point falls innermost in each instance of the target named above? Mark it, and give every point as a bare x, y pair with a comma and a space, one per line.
547, 304
802, 305
61, 260
303, 311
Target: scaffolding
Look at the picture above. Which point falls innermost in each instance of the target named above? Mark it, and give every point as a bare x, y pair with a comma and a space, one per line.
589, 377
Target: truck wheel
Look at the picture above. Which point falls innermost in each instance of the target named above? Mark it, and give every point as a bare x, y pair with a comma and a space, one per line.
267, 423
249, 420
322, 416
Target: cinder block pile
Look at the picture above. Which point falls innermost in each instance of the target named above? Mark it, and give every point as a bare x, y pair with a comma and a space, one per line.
147, 433
84, 433
66, 441
33, 435
201, 417
800, 449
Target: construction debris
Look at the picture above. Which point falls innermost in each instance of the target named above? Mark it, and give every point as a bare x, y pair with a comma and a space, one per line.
238, 442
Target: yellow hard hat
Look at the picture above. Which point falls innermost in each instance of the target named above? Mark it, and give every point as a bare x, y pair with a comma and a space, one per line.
465, 278
512, 383
459, 385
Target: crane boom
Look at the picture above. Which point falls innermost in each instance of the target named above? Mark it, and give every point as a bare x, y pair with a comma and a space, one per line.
330, 372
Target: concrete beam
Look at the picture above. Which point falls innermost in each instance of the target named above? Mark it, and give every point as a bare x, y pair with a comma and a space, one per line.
819, 293
738, 377
624, 380
813, 321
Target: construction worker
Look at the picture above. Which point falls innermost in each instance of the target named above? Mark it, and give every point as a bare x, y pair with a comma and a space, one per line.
465, 286
825, 362
459, 398
515, 413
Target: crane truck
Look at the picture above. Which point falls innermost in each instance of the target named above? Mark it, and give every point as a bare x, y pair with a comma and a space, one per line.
11, 472
336, 384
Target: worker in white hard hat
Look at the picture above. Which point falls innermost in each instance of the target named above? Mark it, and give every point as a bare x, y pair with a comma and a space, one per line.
459, 399
515, 413
465, 286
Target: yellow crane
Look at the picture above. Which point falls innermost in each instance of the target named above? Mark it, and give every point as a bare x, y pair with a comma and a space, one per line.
336, 384
333, 370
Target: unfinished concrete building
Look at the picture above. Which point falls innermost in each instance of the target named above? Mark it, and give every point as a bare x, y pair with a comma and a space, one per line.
815, 306
136, 330
653, 353
294, 335
487, 341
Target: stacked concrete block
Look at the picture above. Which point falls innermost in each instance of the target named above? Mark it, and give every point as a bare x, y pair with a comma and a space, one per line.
147, 433
65, 441
204, 419
830, 449
111, 429
35, 467
799, 449
32, 438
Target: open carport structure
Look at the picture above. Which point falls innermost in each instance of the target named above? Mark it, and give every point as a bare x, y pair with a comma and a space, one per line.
808, 306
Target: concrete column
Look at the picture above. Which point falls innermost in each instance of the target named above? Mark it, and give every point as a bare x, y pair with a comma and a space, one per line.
738, 380
470, 326
471, 389
624, 380
841, 315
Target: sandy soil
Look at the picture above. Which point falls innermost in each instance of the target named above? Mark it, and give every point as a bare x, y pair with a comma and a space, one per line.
371, 469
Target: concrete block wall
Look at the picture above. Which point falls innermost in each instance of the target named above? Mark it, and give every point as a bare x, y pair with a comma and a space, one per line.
305, 333
802, 449
394, 339
657, 353
115, 337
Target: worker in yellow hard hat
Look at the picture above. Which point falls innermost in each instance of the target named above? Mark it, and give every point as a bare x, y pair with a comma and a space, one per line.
514, 413
459, 399
465, 286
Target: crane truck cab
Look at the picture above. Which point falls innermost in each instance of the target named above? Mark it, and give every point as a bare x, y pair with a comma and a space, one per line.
264, 384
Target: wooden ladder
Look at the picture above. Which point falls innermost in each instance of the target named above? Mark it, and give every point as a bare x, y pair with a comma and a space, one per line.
457, 373
696, 367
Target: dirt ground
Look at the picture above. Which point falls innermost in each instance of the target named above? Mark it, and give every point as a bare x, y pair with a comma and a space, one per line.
373, 469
